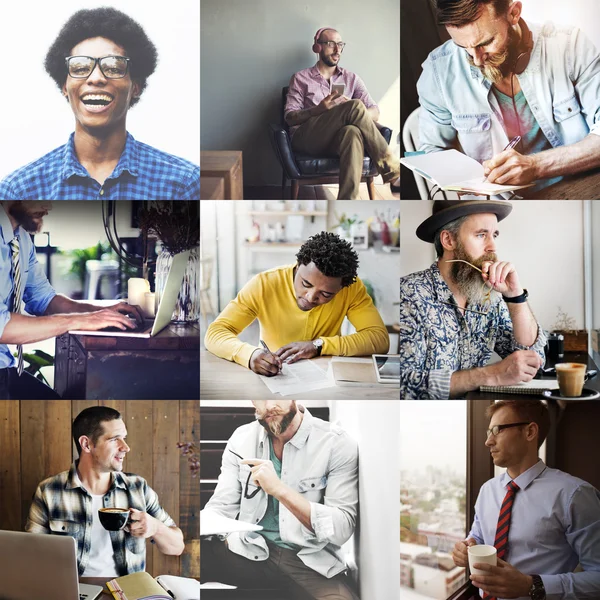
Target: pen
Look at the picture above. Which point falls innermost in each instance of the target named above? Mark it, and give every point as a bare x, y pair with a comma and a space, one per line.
509, 146
267, 349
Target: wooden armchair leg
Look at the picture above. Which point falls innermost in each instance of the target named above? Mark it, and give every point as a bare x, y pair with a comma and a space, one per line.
371, 188
295, 189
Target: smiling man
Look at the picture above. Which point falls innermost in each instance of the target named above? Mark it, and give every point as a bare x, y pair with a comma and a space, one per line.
498, 78
297, 477
300, 309
323, 121
68, 503
542, 521
454, 315
101, 61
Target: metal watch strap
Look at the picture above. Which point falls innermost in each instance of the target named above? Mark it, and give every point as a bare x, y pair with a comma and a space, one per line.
537, 591
518, 299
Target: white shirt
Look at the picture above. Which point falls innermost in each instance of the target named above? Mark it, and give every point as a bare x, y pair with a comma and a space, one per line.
102, 561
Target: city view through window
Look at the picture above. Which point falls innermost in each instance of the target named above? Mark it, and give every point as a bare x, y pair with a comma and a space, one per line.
433, 478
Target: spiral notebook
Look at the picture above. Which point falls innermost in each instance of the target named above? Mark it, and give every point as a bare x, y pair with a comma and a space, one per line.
535, 386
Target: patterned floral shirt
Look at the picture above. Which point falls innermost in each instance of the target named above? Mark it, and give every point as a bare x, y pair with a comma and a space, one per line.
436, 339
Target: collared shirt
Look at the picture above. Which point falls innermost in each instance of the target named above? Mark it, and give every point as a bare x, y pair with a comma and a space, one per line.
142, 173
554, 526
436, 339
37, 292
321, 463
561, 85
62, 506
308, 88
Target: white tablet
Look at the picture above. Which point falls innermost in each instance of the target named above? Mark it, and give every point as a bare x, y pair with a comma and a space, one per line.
387, 367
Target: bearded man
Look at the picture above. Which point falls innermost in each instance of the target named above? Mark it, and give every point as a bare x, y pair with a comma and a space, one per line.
499, 78
296, 477
454, 315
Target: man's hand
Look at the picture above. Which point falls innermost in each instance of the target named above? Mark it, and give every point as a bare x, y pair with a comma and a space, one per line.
128, 309
327, 103
264, 475
502, 581
460, 555
511, 168
521, 365
503, 277
265, 363
290, 353
99, 319
141, 524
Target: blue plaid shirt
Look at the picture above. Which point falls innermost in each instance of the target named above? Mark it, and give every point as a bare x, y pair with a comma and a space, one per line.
142, 173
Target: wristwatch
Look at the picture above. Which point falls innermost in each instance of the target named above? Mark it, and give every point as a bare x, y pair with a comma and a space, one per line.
318, 344
517, 299
537, 590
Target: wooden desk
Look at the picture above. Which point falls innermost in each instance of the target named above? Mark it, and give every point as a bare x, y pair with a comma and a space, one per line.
228, 165
224, 380
212, 188
585, 186
164, 367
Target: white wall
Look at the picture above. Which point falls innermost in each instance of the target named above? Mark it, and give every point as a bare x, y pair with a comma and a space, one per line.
544, 239
36, 117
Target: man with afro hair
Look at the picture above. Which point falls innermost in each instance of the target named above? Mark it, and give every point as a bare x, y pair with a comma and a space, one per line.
101, 61
300, 309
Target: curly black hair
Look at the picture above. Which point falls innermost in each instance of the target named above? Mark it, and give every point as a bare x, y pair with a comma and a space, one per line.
332, 255
111, 24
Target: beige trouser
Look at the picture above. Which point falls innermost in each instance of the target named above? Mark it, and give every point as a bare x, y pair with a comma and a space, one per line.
283, 568
346, 130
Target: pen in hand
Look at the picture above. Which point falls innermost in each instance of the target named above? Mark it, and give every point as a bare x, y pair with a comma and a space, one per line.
509, 146
271, 353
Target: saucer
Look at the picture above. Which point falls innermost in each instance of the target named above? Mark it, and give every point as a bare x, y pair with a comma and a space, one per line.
586, 394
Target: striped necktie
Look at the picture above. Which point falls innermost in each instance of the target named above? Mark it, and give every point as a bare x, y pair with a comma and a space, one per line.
501, 539
17, 294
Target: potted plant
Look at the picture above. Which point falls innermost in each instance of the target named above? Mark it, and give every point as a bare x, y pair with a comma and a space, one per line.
576, 340
80, 258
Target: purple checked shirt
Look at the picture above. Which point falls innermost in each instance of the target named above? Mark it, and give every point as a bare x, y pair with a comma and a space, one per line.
308, 87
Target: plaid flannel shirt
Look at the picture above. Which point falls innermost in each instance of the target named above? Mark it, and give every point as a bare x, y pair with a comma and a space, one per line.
142, 173
62, 506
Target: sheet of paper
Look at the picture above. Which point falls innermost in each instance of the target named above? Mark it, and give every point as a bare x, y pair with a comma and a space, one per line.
302, 376
482, 187
213, 585
445, 168
212, 523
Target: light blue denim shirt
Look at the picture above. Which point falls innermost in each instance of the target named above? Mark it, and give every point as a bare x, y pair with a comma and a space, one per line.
321, 463
561, 85
37, 293
555, 525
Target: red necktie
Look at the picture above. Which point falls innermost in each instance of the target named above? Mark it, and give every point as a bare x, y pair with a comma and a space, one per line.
501, 539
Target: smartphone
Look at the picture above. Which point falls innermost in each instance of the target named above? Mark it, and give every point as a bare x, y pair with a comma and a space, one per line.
339, 88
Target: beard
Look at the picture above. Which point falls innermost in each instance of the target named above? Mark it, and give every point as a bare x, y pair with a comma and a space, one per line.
469, 280
327, 60
30, 221
499, 65
276, 426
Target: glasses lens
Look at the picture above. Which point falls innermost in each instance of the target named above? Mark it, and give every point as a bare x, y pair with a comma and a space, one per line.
114, 67
341, 45
80, 66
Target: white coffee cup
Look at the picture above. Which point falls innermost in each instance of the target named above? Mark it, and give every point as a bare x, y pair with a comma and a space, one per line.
481, 553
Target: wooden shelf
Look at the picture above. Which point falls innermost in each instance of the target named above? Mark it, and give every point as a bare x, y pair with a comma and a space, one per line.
303, 213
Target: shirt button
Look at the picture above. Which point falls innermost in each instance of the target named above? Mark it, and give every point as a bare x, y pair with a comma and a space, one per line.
312, 485
102, 192
256, 558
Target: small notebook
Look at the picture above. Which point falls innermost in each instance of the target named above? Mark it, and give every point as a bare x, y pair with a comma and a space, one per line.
454, 171
535, 386
137, 586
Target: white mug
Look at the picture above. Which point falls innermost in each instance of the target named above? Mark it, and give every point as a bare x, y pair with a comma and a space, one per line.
481, 553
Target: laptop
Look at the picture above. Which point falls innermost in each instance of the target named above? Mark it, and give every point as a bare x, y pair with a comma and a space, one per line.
151, 327
36, 566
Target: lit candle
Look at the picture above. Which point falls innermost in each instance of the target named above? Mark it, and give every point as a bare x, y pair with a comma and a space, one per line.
136, 288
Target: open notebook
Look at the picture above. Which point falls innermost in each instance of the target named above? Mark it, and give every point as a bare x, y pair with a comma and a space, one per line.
535, 386
454, 171
141, 586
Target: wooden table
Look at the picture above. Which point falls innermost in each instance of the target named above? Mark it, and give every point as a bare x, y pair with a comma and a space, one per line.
228, 165
212, 188
585, 186
221, 379
164, 367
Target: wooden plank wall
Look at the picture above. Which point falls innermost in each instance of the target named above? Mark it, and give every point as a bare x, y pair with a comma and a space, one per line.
35, 443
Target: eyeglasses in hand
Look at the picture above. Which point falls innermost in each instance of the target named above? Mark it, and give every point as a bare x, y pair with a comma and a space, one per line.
247, 496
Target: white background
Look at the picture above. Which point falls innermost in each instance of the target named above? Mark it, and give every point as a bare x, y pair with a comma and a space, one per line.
35, 118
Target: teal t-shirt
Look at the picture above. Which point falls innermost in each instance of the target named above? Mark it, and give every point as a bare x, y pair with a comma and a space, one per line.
533, 138
270, 522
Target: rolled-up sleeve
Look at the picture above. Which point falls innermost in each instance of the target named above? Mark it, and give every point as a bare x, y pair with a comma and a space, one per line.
154, 509
38, 292
38, 520
295, 96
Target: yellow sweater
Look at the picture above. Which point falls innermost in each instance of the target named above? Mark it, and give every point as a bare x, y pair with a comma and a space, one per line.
270, 298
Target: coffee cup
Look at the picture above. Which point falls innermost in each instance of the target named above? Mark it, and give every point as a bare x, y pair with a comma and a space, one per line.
571, 377
481, 553
113, 519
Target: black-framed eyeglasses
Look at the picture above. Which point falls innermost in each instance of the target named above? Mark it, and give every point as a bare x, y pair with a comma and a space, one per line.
496, 429
247, 496
112, 67
332, 45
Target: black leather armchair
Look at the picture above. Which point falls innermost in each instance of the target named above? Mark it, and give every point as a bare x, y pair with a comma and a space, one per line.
312, 169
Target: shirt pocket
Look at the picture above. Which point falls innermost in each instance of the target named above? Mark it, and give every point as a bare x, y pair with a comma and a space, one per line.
566, 109
474, 134
71, 528
313, 488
